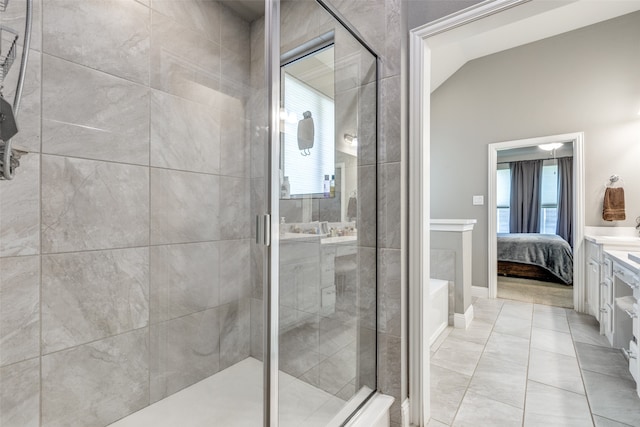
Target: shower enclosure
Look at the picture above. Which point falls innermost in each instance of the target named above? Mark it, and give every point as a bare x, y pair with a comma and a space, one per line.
190, 238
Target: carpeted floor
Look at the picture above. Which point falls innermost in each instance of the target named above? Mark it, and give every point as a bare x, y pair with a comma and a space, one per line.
534, 291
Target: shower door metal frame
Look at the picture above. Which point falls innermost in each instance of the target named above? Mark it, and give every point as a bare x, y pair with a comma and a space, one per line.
271, 265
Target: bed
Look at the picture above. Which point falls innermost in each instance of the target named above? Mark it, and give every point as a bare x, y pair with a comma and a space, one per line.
545, 257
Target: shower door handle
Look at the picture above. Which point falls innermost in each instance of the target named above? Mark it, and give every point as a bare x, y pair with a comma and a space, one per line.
263, 229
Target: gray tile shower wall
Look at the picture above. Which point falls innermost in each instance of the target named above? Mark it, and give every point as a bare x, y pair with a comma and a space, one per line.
19, 306
124, 238
383, 24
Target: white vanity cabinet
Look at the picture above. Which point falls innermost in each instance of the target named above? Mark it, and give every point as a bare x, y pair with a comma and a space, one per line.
594, 279
598, 274
624, 278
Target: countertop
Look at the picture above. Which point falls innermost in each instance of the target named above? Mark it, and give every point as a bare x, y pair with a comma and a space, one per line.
622, 257
613, 240
324, 240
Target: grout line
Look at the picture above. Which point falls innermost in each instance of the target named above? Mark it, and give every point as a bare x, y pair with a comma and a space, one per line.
586, 395
122, 248
557, 388
147, 166
149, 325
476, 367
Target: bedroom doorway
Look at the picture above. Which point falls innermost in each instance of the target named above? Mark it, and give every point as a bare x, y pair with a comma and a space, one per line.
536, 220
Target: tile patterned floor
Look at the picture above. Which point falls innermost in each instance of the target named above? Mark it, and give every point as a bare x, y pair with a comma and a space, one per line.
524, 364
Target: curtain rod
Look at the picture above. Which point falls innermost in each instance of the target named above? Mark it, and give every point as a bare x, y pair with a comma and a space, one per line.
506, 163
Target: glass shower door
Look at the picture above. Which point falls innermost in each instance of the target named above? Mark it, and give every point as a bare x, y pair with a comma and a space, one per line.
326, 211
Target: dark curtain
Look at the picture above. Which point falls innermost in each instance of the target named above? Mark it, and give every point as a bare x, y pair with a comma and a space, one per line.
525, 196
564, 227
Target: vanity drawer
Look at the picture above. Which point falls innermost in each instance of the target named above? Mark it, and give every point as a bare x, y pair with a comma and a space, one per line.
606, 292
626, 275
608, 268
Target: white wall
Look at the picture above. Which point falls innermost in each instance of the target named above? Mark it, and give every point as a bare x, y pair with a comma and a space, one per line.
586, 80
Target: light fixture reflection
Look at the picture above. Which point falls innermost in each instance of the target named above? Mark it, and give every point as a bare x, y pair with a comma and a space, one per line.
351, 139
289, 117
550, 147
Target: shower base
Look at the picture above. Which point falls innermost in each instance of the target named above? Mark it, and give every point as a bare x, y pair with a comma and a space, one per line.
233, 398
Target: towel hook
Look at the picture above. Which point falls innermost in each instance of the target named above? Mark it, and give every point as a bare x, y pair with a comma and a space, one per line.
614, 178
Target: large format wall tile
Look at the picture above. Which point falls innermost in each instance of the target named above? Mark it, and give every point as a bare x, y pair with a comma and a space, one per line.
93, 205
389, 218
184, 207
235, 281
20, 394
234, 145
390, 148
183, 352
234, 208
19, 309
235, 332
367, 220
112, 36
185, 135
20, 209
111, 124
188, 65
367, 300
92, 295
97, 383
202, 16
389, 292
184, 279
235, 52
257, 328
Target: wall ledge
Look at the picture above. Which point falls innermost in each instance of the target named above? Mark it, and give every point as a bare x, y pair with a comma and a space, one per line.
458, 225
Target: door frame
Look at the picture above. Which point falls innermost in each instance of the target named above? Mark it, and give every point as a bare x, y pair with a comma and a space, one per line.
419, 410
577, 139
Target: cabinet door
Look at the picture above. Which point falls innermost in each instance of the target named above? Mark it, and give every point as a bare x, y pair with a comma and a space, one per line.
593, 288
608, 323
605, 299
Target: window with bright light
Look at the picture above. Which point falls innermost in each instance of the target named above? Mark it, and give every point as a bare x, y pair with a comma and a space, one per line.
549, 199
503, 199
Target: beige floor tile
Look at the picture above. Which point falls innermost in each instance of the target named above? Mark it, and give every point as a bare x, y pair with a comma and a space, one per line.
557, 370
548, 405
477, 410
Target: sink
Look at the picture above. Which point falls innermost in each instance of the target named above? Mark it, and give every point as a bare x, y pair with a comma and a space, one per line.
634, 256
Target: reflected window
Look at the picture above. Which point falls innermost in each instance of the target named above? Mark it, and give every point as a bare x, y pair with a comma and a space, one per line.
308, 125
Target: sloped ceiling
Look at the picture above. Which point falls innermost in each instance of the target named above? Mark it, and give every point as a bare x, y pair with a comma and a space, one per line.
534, 21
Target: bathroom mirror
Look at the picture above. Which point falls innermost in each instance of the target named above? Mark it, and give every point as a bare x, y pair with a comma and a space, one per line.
308, 157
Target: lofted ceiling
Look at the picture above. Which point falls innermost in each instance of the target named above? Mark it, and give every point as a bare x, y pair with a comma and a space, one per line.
517, 26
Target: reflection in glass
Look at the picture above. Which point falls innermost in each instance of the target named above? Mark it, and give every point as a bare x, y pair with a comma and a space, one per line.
327, 240
308, 125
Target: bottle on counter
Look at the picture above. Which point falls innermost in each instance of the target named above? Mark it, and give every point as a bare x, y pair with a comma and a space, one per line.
332, 186
327, 186
285, 188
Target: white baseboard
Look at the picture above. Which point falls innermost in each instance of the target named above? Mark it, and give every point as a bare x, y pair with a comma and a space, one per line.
479, 292
375, 413
463, 320
406, 421
433, 338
